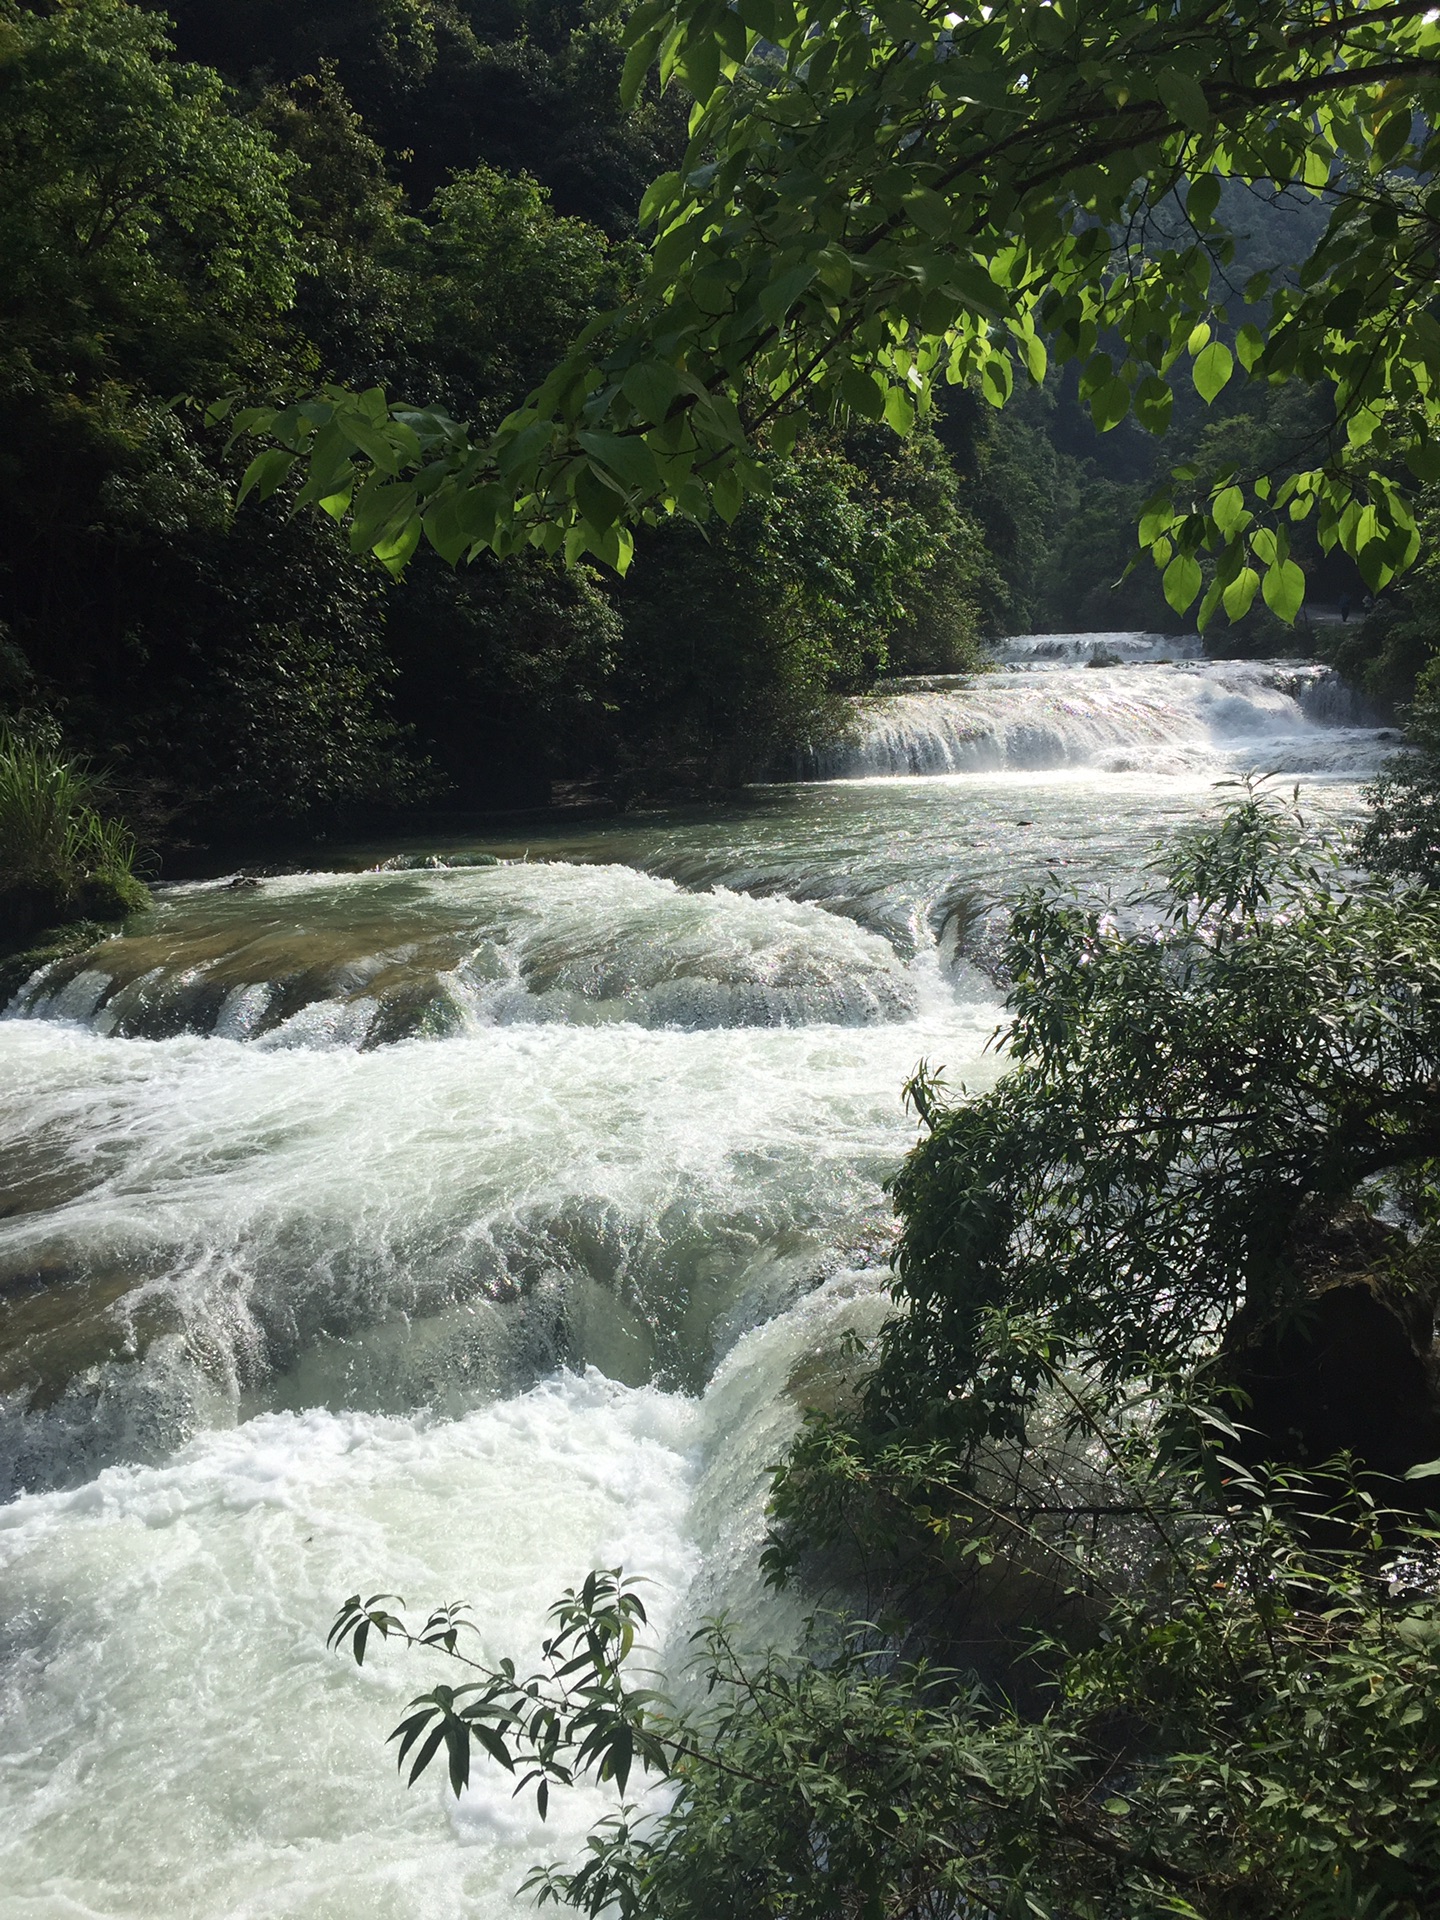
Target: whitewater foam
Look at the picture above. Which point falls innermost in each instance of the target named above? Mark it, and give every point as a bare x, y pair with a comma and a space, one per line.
200, 1225
177, 1741
1185, 719
337, 960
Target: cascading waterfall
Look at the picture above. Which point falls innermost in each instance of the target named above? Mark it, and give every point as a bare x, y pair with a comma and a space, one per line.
320, 960
1328, 701
474, 1215
1085, 649
1132, 711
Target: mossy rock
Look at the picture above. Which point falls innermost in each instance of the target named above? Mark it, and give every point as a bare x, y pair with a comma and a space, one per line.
28, 910
32, 913
39, 924
112, 896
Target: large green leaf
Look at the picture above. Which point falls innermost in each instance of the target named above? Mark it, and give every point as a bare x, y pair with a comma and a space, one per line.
1284, 589
1181, 581
1212, 370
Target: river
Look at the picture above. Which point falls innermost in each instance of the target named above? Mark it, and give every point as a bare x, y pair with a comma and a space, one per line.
474, 1214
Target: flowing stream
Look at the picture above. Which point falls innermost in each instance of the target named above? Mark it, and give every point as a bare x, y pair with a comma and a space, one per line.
471, 1215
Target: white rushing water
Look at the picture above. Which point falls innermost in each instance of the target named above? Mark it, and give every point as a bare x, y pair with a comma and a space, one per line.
480, 1215
341, 959
207, 1222
178, 1741
1131, 710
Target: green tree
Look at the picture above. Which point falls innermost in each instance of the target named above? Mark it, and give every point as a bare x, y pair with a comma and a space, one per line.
501, 285
738, 640
875, 201
143, 225
167, 237
1402, 834
1184, 1103
152, 247
1387, 652
523, 86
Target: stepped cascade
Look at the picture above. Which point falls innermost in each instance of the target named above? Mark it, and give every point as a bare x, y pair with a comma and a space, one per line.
1138, 709
469, 1215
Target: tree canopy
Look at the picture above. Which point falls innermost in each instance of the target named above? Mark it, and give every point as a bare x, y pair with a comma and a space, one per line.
139, 217
877, 200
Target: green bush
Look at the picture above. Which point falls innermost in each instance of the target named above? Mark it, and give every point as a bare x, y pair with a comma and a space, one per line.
1402, 834
1251, 1732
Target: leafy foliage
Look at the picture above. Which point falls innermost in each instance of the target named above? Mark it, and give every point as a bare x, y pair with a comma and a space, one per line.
248, 673
60, 857
1184, 1096
874, 201
1387, 651
1402, 834
511, 282
140, 220
576, 1716
155, 250
1254, 1731
521, 86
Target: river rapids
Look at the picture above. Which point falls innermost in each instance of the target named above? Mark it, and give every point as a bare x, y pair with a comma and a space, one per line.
474, 1214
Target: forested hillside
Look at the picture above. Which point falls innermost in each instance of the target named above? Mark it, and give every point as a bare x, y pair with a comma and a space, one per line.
433, 196
434, 199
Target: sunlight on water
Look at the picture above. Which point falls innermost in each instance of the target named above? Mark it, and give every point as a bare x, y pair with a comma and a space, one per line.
482, 1213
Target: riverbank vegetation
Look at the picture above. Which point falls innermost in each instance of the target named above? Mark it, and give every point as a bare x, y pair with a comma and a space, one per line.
61, 857
432, 200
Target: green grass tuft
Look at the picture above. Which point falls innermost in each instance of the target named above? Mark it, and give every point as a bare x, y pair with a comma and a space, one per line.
60, 858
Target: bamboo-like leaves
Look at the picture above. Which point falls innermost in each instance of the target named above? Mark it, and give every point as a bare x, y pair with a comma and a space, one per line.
575, 1716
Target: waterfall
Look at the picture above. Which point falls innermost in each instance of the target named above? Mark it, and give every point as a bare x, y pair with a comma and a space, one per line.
1082, 649
1180, 717
1332, 702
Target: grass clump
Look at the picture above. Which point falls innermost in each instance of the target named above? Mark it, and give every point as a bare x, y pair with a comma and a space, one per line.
60, 858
